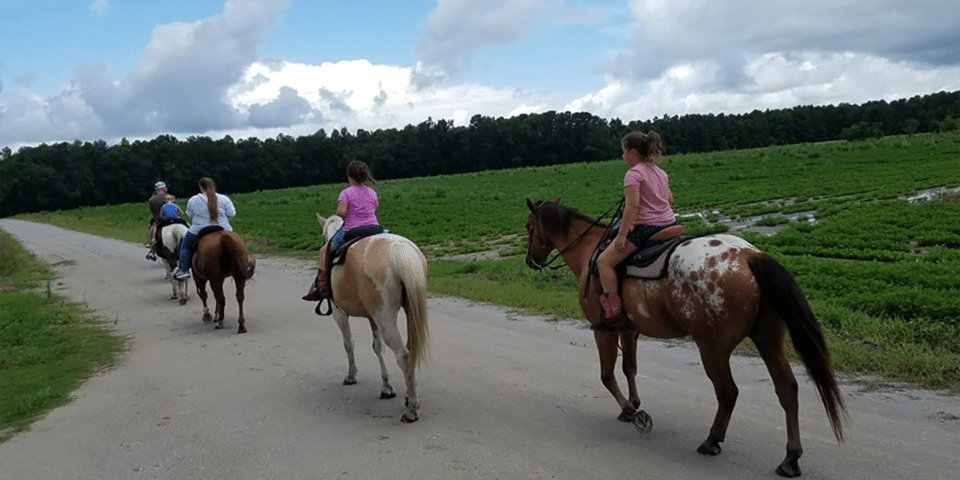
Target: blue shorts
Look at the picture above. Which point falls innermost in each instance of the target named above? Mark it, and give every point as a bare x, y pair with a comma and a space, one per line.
641, 233
337, 239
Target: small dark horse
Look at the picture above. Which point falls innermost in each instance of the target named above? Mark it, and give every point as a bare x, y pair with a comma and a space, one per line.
718, 289
220, 255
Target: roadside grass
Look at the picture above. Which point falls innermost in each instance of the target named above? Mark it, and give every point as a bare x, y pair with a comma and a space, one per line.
48, 346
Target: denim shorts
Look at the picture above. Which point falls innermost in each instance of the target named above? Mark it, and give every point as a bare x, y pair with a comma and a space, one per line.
641, 233
337, 239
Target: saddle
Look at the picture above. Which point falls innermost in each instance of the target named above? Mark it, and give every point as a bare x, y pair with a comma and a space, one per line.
162, 249
202, 233
650, 262
339, 256
352, 236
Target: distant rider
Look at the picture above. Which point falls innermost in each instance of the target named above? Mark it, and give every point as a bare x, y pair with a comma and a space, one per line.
155, 203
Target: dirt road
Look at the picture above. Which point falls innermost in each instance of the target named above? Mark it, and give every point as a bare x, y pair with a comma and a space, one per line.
503, 397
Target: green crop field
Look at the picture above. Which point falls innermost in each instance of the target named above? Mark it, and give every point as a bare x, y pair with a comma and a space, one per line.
881, 271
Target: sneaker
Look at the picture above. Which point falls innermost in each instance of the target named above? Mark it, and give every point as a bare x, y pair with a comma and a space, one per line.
152, 256
181, 275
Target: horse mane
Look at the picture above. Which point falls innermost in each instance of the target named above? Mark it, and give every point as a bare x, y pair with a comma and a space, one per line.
556, 217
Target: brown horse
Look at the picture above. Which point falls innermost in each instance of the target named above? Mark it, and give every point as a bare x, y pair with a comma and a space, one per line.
718, 289
220, 255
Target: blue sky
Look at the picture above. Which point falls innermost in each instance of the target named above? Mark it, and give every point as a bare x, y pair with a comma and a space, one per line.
135, 69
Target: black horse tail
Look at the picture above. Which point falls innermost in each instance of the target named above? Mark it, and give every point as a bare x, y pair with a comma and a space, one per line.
780, 293
241, 259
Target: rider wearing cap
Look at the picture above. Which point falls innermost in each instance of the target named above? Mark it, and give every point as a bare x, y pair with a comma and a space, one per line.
155, 203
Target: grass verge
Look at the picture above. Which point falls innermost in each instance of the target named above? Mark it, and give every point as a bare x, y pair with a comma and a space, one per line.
48, 346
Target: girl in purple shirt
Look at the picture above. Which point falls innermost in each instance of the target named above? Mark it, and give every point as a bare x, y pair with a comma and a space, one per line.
357, 204
647, 210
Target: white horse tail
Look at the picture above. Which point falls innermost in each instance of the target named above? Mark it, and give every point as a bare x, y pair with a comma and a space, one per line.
413, 276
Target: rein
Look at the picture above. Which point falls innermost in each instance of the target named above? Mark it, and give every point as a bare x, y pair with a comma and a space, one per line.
546, 265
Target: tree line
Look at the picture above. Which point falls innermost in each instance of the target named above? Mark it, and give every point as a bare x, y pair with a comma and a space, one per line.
69, 175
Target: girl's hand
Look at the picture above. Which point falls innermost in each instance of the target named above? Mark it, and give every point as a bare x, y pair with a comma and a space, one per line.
620, 243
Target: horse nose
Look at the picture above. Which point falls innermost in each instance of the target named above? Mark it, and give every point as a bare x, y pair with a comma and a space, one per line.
533, 263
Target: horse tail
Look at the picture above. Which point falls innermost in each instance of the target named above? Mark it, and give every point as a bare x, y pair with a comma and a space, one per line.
412, 270
242, 261
780, 293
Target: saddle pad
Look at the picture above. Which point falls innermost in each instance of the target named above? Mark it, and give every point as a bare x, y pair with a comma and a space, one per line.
651, 262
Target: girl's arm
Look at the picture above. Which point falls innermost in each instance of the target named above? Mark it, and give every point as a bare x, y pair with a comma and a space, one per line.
632, 203
343, 209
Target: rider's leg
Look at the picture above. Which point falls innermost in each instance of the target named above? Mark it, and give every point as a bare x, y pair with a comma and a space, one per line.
185, 246
611, 315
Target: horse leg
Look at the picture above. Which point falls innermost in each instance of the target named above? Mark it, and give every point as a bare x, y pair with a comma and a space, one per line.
202, 293
240, 282
386, 390
716, 362
342, 320
607, 346
183, 291
769, 339
391, 336
628, 343
217, 286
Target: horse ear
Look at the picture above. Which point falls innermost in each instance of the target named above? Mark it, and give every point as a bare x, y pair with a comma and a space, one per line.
531, 206
320, 219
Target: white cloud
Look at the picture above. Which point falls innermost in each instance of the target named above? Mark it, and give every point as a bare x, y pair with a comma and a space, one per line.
99, 7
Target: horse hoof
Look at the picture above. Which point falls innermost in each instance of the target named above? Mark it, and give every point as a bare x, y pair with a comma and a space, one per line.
349, 381
387, 395
409, 417
789, 468
183, 301
643, 422
218, 326
173, 297
709, 448
242, 330
207, 318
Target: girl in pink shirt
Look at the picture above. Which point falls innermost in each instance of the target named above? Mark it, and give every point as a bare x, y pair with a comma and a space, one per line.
647, 210
357, 205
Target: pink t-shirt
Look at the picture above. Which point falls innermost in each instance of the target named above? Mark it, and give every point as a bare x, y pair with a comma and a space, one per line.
362, 202
654, 187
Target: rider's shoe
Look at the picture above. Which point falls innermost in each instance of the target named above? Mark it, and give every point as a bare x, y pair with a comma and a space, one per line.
318, 291
611, 317
181, 275
151, 256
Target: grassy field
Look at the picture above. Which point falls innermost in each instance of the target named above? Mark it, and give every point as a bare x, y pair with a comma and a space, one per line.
48, 346
880, 271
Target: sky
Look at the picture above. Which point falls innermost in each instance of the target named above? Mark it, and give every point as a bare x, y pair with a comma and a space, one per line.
135, 69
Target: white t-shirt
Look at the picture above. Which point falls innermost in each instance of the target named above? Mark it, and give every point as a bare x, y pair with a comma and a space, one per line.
200, 216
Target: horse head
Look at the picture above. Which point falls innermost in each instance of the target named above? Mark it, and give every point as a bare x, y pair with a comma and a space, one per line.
539, 241
330, 225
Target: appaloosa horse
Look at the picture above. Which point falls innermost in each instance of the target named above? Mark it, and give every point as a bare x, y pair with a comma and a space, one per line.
380, 275
718, 289
219, 255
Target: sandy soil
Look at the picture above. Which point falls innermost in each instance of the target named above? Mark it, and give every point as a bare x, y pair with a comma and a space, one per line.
504, 396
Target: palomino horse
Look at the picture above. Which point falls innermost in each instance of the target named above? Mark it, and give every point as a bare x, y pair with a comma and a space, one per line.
170, 237
220, 255
718, 289
382, 274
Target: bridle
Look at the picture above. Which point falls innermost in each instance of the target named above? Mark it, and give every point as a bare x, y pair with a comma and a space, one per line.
532, 263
